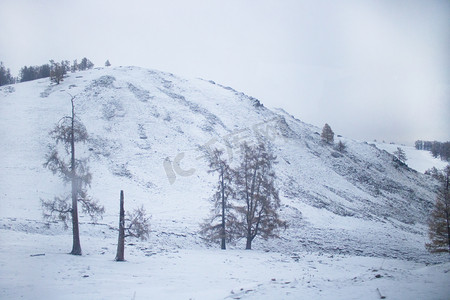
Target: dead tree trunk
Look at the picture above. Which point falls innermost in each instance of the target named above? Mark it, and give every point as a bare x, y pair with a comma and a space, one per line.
222, 230
447, 217
121, 243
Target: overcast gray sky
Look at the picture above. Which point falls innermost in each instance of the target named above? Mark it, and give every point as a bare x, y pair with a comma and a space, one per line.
371, 69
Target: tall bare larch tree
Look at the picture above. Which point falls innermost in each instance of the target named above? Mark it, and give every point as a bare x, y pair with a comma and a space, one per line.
220, 224
67, 133
439, 220
256, 194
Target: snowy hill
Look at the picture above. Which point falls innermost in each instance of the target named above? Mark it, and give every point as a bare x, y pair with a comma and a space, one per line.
146, 128
419, 160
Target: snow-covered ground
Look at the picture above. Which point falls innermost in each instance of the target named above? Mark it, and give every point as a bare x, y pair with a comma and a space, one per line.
351, 215
419, 160
203, 273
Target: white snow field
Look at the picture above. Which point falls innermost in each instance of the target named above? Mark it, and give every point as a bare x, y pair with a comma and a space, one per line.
356, 220
196, 273
419, 160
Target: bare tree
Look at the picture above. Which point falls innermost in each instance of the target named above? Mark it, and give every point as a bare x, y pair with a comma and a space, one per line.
257, 194
327, 134
222, 220
136, 224
341, 146
85, 64
74, 66
67, 133
439, 221
58, 70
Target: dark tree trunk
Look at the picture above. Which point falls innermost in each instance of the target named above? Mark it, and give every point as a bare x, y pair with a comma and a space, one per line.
248, 246
222, 233
76, 247
222, 240
121, 243
446, 195
448, 227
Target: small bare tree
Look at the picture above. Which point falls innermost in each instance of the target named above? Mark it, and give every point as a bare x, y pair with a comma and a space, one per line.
136, 224
439, 220
58, 70
67, 133
222, 220
256, 191
341, 146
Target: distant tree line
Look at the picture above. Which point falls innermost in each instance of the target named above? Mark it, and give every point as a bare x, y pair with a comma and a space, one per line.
437, 149
34, 72
85, 64
53, 70
5, 75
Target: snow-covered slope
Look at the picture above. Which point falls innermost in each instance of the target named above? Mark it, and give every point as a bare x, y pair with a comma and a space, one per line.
146, 128
419, 160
